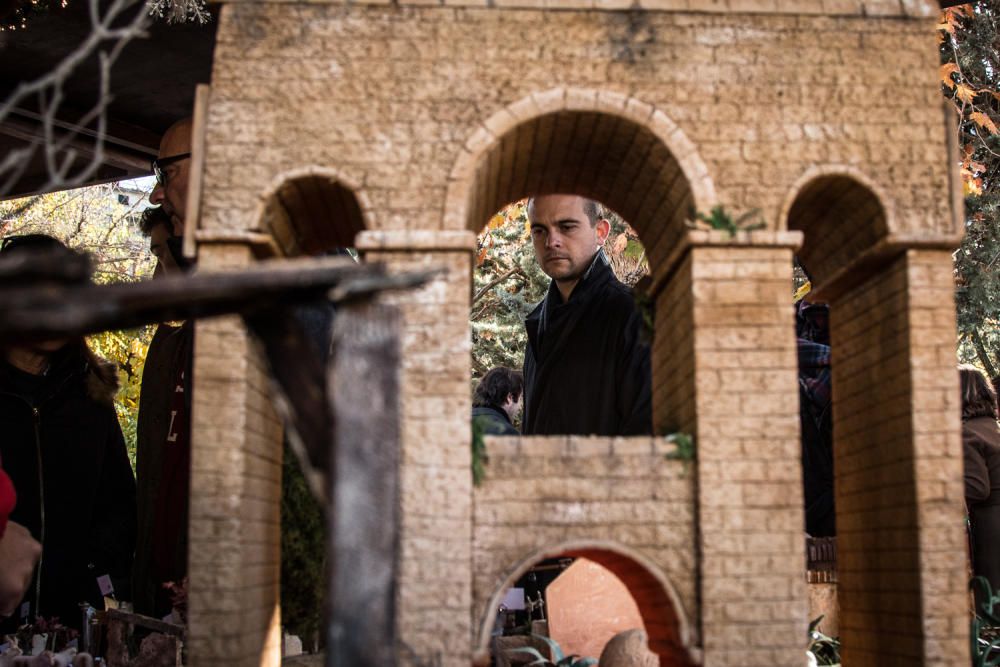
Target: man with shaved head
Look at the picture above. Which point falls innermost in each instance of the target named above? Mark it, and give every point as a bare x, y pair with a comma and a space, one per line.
172, 168
163, 430
586, 368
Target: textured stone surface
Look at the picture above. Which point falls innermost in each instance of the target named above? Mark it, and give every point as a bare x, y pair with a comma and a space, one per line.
628, 649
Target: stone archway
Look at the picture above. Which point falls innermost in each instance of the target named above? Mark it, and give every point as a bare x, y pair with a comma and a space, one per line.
313, 210
897, 460
663, 614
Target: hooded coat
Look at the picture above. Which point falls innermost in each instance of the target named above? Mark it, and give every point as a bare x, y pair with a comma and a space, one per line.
586, 368
63, 449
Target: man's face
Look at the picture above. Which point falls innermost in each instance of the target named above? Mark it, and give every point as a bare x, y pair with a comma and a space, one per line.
564, 239
512, 407
172, 195
158, 246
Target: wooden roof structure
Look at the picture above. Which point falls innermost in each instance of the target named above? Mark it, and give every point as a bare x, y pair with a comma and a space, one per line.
152, 85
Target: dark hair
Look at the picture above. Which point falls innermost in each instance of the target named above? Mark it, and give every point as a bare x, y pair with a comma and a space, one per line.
591, 209
32, 242
978, 397
496, 384
151, 218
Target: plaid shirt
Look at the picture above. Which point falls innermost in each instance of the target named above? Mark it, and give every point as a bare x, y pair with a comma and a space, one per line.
814, 371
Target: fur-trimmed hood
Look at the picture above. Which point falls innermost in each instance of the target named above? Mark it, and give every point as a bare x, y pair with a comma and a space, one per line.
102, 379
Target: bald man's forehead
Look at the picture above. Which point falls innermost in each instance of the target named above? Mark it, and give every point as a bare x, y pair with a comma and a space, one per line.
177, 139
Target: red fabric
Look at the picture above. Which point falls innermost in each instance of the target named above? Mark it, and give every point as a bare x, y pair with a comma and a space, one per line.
7, 498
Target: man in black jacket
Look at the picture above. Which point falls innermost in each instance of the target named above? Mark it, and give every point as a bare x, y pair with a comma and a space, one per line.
63, 449
586, 368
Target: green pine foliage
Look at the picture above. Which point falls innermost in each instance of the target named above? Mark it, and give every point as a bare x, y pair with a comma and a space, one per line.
970, 80
508, 283
303, 556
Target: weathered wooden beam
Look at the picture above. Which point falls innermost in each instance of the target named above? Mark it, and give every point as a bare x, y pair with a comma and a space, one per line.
54, 310
364, 487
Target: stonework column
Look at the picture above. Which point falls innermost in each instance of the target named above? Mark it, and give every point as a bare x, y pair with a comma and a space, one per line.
234, 530
435, 592
898, 461
725, 370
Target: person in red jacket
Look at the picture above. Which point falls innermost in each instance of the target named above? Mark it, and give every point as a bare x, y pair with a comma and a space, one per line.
18, 552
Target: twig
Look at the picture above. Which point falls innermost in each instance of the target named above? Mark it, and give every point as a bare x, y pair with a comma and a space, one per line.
496, 281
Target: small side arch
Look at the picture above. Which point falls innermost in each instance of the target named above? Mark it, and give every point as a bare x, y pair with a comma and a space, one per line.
311, 210
666, 620
842, 213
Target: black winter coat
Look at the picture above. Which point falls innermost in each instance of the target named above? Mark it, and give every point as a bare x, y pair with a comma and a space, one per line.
586, 369
61, 440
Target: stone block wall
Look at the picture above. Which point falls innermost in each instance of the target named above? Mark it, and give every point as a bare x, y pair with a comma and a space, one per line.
898, 466
434, 598
619, 501
235, 518
749, 475
389, 97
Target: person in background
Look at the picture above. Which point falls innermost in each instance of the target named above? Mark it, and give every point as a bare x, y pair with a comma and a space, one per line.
18, 551
816, 417
981, 454
163, 428
64, 451
497, 401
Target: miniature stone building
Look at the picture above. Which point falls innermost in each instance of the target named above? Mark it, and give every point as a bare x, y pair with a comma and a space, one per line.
400, 127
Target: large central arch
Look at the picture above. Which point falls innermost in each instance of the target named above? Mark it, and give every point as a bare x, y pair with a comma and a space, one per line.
611, 148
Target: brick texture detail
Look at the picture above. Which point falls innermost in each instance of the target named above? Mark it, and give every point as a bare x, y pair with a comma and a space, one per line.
389, 98
749, 475
899, 467
543, 492
435, 595
235, 532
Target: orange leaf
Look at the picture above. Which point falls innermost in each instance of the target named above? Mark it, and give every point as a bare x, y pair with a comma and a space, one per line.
946, 71
983, 121
965, 93
496, 221
482, 255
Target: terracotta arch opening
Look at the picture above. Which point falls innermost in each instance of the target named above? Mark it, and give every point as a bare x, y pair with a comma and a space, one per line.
663, 616
841, 215
614, 150
312, 213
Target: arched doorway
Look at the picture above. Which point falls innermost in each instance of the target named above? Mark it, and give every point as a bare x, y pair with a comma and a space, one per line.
897, 477
615, 150
665, 620
312, 211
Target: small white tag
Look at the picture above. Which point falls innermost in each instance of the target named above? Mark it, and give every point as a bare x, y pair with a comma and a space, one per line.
25, 609
4, 647
104, 583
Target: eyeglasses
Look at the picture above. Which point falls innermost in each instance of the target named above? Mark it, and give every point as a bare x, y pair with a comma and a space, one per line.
160, 164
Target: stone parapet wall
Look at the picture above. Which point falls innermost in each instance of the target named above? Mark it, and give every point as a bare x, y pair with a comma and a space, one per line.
543, 492
389, 98
864, 8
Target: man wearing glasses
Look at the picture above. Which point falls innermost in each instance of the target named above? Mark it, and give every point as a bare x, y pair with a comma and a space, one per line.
163, 432
172, 168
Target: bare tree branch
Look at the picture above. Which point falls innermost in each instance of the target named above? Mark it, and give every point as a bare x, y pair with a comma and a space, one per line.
111, 30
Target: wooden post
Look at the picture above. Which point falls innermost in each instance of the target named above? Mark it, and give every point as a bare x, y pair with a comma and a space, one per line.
364, 487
